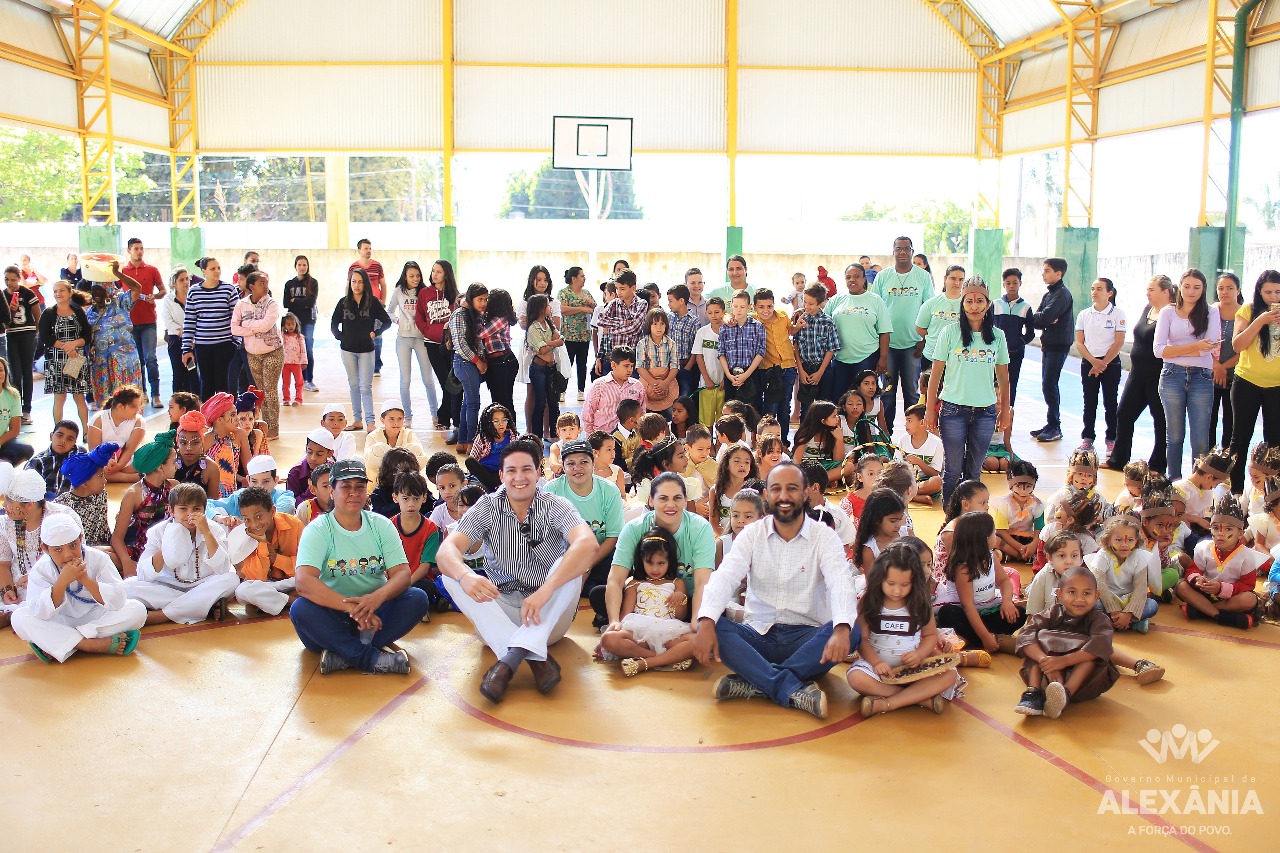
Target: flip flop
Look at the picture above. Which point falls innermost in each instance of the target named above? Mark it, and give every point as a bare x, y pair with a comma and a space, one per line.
40, 653
131, 642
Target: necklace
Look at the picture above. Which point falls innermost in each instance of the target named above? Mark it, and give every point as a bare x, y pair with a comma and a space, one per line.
196, 554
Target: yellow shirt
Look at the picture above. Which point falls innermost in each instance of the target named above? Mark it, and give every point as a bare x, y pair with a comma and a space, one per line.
1252, 367
256, 566
778, 349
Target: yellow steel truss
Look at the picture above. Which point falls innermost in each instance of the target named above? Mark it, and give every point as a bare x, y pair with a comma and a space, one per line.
1085, 52
1219, 46
91, 59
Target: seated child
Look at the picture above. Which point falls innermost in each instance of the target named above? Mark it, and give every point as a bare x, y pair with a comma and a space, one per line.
1130, 497
391, 433
568, 428
75, 599
225, 444
1125, 572
653, 633
334, 419
180, 404
319, 503
62, 444
923, 450
1264, 462
863, 477
824, 510
867, 384
396, 461
1224, 571
736, 467
87, 496
319, 451
495, 432
750, 417
652, 428
419, 535
1159, 524
880, 524
628, 413
1082, 476
748, 506
264, 550
1019, 515
1000, 453
247, 420
604, 447
899, 477
697, 443
1066, 649
767, 427
977, 599
769, 452
450, 482
262, 475
1080, 514
192, 464
819, 439
145, 502
730, 430
1264, 527
897, 627
1211, 470
26, 510
184, 573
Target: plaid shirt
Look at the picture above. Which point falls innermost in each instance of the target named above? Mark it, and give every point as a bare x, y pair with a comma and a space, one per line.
662, 354
623, 326
739, 345
683, 330
494, 335
817, 338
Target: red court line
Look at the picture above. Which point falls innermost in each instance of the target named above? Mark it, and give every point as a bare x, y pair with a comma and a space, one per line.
254, 823
1078, 774
1207, 635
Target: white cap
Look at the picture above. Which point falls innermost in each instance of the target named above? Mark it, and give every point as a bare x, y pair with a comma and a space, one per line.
334, 408
322, 437
388, 405
263, 463
60, 528
240, 545
27, 486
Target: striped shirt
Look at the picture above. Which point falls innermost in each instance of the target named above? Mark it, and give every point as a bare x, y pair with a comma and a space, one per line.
683, 330
208, 317
516, 561
600, 408
817, 338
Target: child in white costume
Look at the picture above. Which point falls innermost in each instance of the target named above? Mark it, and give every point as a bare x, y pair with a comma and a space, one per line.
25, 512
75, 598
184, 570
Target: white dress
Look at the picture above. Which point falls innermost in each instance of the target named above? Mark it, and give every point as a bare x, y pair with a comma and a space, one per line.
191, 581
893, 635
113, 432
653, 623
20, 548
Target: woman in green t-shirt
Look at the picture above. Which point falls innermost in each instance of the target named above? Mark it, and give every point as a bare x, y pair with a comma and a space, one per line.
975, 400
11, 450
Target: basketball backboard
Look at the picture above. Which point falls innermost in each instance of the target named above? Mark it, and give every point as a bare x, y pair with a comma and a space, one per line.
588, 142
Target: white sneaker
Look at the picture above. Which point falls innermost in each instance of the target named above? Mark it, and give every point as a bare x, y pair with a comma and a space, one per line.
581, 396
310, 386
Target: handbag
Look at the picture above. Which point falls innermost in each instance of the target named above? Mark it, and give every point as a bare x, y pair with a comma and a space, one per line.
73, 366
452, 385
557, 381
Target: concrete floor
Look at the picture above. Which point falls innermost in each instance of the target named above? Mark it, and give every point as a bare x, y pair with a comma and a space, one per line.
224, 736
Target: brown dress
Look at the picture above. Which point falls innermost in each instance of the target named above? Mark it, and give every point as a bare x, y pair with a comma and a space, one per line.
1059, 633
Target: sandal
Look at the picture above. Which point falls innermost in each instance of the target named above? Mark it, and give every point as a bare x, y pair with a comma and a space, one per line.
631, 666
124, 643
1146, 672
40, 653
869, 706
935, 704
681, 666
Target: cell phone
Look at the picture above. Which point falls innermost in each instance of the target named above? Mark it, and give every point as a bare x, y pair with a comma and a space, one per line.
192, 365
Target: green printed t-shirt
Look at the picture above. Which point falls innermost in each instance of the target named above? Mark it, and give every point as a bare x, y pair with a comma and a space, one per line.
971, 370
352, 562
933, 316
695, 544
601, 510
904, 293
860, 320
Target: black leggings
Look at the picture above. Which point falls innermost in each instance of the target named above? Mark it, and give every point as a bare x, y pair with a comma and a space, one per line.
501, 379
450, 411
488, 479
579, 353
213, 362
953, 616
22, 365
1141, 391
183, 379
1222, 403
1247, 400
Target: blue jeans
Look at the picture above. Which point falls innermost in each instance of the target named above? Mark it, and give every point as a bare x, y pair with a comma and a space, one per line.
688, 380
1187, 395
237, 371
406, 349
309, 335
321, 628
469, 375
1151, 608
966, 434
144, 338
359, 367
904, 372
782, 408
1051, 364
377, 353
540, 388
780, 662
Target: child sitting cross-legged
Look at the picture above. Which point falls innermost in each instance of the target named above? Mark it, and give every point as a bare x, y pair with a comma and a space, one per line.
1081, 514
1224, 571
1211, 470
420, 537
262, 471
319, 450
1066, 650
1264, 526
1130, 497
62, 444
923, 450
87, 495
391, 433
146, 501
397, 461
896, 620
568, 428
264, 549
495, 432
1125, 572
75, 599
1082, 477
977, 600
1160, 523
1019, 515
653, 632
184, 574
866, 469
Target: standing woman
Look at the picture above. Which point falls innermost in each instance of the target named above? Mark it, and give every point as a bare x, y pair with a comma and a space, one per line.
541, 341
410, 342
469, 364
114, 362
1224, 372
975, 399
71, 272
495, 338
256, 318
1257, 384
65, 332
173, 312
300, 300
576, 306
24, 309
1142, 389
1188, 334
206, 328
357, 319
436, 302
538, 283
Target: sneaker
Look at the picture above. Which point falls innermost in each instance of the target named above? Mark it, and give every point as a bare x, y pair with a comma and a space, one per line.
377, 373
26, 419
1031, 704
810, 698
396, 663
1055, 700
1140, 626
451, 438
1050, 435
1111, 445
581, 396
1146, 672
1035, 433
735, 687
331, 662
562, 399
1087, 444
1235, 620
310, 386
1192, 613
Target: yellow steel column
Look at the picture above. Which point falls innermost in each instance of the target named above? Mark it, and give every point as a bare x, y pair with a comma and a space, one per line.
337, 200
731, 103
446, 101
1219, 49
91, 40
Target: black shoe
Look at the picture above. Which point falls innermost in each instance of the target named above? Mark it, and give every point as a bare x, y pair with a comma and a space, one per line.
599, 622
1035, 433
451, 438
1031, 704
1049, 435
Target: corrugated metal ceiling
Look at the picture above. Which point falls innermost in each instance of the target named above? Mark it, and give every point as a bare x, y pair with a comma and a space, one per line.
162, 17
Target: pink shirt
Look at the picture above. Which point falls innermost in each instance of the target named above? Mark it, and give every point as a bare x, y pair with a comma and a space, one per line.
258, 324
600, 408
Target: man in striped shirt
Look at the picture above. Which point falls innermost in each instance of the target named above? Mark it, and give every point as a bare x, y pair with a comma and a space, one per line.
206, 329
600, 408
537, 549
377, 283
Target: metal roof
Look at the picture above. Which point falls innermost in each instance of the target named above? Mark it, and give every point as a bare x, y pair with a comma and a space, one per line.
1011, 20
162, 17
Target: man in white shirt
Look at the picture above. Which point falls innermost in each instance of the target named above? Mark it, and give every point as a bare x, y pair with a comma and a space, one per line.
801, 611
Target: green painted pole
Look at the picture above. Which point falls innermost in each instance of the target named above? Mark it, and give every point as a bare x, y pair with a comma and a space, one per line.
1230, 259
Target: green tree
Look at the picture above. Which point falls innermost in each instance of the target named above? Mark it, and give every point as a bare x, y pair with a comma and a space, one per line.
555, 194
396, 189
1268, 207
870, 212
39, 176
946, 226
